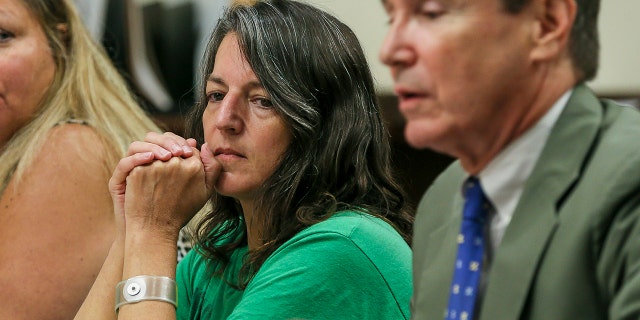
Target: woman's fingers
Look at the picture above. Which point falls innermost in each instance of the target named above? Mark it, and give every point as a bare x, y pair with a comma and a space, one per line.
175, 144
192, 142
165, 194
118, 180
153, 177
212, 167
159, 152
163, 146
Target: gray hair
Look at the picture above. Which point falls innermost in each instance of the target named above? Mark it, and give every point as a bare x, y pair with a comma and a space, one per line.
314, 69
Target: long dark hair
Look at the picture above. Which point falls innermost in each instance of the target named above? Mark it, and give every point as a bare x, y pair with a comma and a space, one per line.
319, 81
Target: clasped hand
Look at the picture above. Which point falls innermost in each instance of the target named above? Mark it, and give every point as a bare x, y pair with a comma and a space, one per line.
162, 183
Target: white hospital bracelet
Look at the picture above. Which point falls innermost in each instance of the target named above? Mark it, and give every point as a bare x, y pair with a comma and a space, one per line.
144, 288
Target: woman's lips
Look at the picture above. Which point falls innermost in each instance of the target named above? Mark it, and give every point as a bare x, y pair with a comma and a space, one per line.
227, 154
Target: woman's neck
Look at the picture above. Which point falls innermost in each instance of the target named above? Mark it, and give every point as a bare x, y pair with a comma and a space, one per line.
252, 225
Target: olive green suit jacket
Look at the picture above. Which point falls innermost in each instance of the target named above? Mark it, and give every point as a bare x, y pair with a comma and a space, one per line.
572, 249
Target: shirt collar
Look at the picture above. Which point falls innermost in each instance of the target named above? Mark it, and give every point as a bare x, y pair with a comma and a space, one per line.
504, 177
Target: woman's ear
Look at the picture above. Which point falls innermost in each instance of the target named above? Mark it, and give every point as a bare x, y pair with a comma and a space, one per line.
63, 30
554, 21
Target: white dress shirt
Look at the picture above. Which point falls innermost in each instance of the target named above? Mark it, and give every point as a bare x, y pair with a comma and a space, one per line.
504, 177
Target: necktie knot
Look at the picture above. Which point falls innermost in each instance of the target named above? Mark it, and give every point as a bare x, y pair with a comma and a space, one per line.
475, 207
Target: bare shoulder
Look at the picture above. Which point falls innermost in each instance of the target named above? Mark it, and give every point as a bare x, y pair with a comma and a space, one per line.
73, 138
59, 222
73, 157
76, 147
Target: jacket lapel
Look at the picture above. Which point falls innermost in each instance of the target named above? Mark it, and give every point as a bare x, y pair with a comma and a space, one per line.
535, 218
437, 230
442, 255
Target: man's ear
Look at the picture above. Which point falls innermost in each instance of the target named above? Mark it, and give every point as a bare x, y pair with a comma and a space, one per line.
552, 30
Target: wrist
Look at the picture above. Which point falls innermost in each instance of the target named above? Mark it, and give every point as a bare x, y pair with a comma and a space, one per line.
149, 253
151, 234
164, 227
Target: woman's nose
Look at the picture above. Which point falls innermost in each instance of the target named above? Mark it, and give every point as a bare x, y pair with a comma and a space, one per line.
229, 115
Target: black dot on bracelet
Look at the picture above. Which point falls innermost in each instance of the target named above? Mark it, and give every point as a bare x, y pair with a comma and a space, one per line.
133, 289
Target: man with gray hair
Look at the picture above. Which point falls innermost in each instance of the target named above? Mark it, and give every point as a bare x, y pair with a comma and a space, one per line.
539, 216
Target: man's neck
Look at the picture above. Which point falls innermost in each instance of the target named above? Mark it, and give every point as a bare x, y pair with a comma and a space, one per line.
520, 114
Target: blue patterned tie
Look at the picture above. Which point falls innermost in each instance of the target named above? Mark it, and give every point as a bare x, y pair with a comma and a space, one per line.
466, 276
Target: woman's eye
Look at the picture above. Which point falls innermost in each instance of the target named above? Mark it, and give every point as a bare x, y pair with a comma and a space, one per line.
262, 102
5, 35
215, 96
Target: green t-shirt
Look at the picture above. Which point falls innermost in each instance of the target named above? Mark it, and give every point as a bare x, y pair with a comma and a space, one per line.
351, 266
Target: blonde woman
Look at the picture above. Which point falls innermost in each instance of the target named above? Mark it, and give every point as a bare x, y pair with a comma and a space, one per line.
66, 117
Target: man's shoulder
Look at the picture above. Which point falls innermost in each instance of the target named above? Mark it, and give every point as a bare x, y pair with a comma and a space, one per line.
621, 124
616, 147
614, 159
446, 185
437, 203
594, 141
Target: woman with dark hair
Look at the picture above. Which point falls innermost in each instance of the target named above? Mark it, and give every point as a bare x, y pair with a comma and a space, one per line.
306, 219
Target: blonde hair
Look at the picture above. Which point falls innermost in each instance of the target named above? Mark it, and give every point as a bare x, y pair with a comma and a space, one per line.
86, 86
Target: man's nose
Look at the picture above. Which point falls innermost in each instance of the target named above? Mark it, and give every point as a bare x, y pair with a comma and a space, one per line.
395, 49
